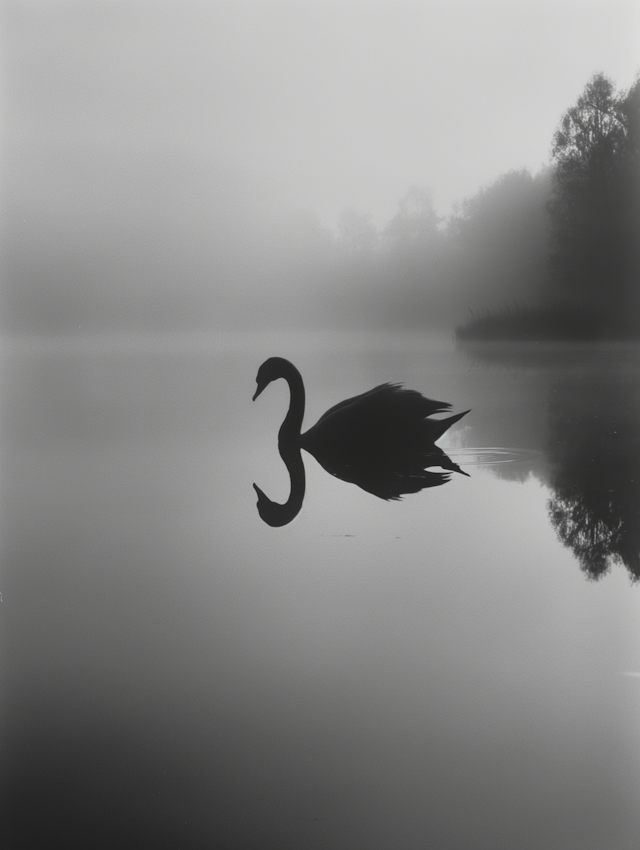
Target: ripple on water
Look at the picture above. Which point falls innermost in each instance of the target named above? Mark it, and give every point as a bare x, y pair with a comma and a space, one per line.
489, 455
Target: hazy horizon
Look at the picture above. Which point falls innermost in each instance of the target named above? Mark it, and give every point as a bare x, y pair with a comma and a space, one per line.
170, 163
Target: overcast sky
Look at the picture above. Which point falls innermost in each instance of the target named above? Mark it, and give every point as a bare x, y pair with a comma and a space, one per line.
158, 153
322, 105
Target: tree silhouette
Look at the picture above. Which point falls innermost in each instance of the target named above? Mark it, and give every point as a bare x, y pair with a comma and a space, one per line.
594, 209
501, 237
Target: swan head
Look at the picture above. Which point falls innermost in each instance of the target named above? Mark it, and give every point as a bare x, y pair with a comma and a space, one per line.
264, 503
275, 514
271, 370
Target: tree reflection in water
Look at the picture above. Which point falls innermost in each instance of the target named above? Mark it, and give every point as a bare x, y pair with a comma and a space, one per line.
594, 453
579, 406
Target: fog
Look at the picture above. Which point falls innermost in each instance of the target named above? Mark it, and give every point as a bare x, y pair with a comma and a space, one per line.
186, 189
172, 166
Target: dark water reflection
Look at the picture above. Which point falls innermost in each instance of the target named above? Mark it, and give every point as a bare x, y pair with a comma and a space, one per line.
594, 454
591, 447
433, 672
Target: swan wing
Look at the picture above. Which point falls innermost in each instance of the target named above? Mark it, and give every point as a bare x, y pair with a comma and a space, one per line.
350, 401
386, 400
382, 420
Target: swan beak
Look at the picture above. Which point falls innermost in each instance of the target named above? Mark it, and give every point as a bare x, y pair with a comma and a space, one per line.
257, 392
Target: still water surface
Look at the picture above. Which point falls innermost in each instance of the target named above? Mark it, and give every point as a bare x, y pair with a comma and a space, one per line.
442, 671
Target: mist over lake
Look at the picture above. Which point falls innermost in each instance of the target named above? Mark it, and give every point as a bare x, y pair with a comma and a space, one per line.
189, 166
379, 193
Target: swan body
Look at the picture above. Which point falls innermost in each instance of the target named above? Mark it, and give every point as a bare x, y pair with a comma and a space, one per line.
382, 440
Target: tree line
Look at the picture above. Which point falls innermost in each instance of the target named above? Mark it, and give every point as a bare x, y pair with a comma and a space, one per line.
595, 206
551, 254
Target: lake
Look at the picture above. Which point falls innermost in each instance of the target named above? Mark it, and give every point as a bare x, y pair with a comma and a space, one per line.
458, 669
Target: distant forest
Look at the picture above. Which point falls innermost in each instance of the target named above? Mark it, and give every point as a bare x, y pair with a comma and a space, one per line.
169, 240
551, 255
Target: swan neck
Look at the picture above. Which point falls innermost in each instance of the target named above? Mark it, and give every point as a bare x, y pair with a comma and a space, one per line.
274, 513
292, 425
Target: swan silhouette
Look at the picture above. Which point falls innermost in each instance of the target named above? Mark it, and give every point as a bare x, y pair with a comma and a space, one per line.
381, 440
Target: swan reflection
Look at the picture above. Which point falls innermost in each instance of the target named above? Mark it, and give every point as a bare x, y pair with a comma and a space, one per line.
381, 440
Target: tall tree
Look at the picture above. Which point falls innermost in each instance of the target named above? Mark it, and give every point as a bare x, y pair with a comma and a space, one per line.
593, 210
501, 236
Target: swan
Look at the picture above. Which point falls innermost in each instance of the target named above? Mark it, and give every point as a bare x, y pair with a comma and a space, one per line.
382, 440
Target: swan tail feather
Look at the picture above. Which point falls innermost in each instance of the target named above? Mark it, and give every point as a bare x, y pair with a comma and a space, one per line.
437, 427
